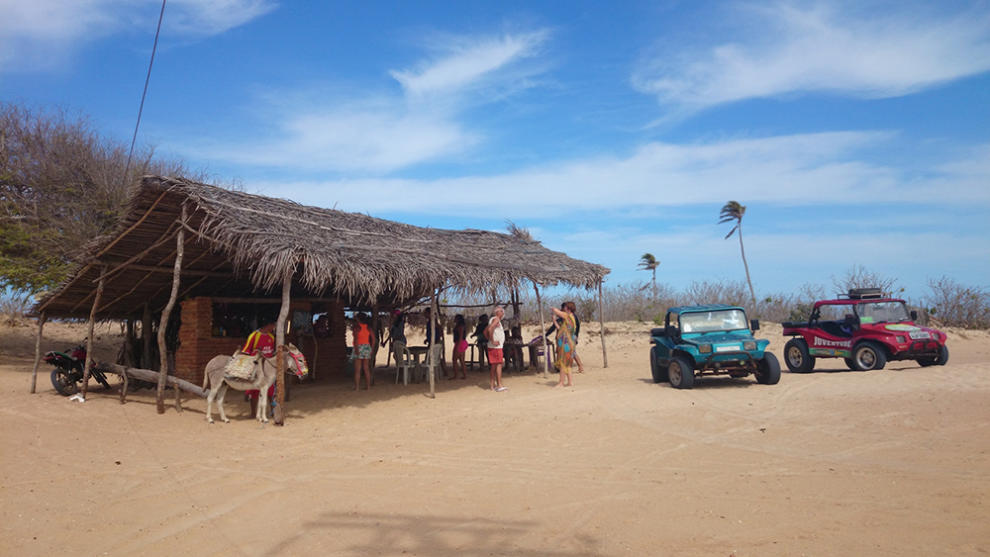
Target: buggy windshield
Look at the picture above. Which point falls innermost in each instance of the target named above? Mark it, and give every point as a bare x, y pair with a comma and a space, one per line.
708, 321
880, 312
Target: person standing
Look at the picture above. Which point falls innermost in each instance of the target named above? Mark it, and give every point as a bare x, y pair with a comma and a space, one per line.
362, 351
261, 341
480, 339
577, 331
397, 335
460, 346
565, 342
496, 338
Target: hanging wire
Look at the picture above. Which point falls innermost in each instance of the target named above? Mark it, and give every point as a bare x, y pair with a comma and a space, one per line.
147, 79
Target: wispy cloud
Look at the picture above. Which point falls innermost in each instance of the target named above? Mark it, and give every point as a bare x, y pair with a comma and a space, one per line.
466, 63
368, 136
43, 34
861, 50
422, 122
212, 17
795, 169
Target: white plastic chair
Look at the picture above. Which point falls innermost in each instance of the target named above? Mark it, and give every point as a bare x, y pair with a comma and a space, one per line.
432, 363
403, 361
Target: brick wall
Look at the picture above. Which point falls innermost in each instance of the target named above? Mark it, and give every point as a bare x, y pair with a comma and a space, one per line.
198, 345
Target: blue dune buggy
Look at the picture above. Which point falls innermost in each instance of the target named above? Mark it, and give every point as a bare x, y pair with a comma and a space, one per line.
709, 340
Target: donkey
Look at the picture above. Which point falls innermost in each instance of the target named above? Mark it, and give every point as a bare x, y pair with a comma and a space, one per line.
264, 375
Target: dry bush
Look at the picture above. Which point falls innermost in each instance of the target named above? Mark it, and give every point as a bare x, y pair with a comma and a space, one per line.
780, 307
14, 307
956, 305
858, 276
949, 302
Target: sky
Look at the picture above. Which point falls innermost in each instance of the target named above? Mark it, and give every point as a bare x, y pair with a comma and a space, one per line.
856, 134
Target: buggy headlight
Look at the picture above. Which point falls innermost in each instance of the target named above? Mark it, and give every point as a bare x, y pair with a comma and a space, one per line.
749, 345
901, 339
705, 348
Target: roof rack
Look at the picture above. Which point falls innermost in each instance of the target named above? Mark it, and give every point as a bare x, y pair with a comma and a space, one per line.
865, 293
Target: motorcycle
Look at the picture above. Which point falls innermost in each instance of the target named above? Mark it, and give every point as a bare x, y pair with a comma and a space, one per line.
68, 373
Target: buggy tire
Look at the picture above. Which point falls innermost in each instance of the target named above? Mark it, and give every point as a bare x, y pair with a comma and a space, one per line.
796, 356
850, 363
940, 360
768, 370
659, 373
868, 356
63, 382
680, 373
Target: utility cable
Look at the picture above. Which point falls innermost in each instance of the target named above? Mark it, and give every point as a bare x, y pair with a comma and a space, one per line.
147, 79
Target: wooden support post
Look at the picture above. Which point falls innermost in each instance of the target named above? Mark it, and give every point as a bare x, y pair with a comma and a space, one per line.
123, 388
146, 338
89, 337
167, 312
431, 365
178, 392
601, 320
280, 354
546, 351
128, 353
516, 305
37, 351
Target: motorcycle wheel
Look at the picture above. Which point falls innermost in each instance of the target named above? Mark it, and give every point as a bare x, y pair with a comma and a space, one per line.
63, 381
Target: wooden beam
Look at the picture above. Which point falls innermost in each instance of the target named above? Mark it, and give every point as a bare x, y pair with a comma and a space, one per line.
152, 376
198, 282
431, 366
188, 272
166, 313
146, 336
89, 337
168, 236
70, 283
283, 314
133, 226
37, 350
546, 351
601, 320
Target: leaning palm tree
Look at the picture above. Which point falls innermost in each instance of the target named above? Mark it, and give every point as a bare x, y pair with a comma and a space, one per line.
733, 211
650, 263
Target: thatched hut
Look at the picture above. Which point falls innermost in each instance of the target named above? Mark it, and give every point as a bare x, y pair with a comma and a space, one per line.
200, 245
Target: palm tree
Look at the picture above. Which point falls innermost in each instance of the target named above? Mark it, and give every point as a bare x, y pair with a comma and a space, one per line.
733, 211
650, 263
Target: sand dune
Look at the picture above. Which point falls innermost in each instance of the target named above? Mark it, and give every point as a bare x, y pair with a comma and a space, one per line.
891, 462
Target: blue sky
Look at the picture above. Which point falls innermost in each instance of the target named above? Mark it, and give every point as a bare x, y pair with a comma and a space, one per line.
856, 133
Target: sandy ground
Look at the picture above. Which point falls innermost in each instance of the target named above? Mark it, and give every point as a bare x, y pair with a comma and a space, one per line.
892, 462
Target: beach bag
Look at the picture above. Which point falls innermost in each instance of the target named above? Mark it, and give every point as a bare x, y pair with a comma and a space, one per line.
241, 367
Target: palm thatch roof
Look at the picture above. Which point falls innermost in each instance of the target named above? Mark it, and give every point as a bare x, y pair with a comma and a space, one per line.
242, 245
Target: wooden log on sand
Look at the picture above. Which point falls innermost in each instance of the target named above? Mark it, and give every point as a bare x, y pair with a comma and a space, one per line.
152, 377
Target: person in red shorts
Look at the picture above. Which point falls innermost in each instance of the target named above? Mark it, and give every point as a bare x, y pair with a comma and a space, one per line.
261, 341
496, 338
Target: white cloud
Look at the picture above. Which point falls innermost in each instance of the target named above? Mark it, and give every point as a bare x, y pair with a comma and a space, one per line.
467, 62
339, 133
863, 51
212, 17
796, 170
42, 34
370, 137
